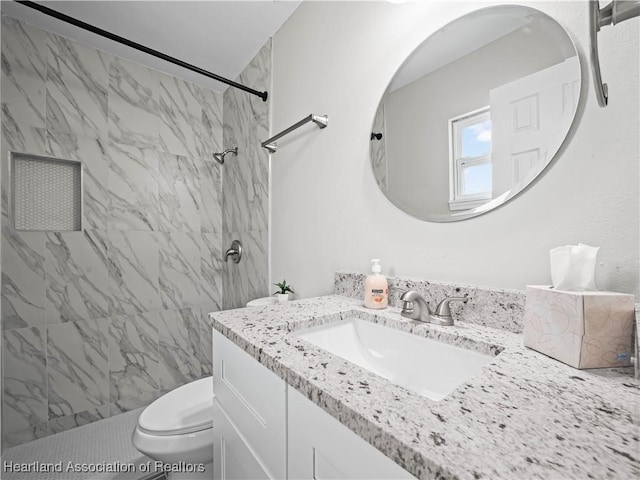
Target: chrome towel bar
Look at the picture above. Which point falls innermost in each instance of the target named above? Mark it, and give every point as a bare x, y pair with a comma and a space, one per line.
320, 120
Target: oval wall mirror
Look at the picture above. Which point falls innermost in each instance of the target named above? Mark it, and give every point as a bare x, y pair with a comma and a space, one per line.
475, 113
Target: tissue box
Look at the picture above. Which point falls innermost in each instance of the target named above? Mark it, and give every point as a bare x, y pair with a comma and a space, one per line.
581, 329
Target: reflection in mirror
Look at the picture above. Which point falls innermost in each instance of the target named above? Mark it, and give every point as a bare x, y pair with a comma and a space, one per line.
476, 113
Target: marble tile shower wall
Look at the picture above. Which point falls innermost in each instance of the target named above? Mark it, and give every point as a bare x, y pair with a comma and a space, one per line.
246, 184
104, 320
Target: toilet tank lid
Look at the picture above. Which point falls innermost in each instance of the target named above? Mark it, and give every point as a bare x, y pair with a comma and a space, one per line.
186, 409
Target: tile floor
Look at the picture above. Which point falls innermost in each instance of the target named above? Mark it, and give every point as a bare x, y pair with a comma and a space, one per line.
106, 441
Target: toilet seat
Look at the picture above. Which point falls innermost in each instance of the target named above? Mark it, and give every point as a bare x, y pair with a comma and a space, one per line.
187, 409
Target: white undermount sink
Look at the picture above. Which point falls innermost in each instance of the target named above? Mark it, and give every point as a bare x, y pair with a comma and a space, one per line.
430, 368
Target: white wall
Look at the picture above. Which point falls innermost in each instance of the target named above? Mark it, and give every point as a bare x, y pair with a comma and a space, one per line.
336, 58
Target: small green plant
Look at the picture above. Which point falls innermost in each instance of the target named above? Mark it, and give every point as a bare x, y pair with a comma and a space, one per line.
283, 288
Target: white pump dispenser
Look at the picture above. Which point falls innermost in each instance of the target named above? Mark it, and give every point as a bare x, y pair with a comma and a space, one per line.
376, 288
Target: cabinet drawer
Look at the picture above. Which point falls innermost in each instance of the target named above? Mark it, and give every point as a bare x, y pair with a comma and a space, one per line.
232, 457
254, 399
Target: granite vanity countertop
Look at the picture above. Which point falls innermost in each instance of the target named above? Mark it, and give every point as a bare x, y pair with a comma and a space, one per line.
523, 416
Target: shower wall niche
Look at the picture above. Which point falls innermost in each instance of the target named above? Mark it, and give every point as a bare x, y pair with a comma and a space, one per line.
45, 194
105, 319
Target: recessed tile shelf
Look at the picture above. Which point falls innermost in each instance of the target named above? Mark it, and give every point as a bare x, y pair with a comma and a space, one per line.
46, 193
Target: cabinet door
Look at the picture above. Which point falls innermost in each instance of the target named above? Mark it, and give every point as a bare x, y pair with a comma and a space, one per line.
233, 458
320, 447
254, 399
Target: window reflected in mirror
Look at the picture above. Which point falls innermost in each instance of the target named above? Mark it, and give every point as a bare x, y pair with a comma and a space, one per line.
470, 167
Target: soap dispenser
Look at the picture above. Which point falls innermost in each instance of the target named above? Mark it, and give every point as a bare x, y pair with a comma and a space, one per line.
376, 288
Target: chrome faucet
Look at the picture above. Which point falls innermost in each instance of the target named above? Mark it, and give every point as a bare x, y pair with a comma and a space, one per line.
415, 307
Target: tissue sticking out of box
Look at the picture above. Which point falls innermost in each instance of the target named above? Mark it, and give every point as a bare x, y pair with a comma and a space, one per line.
573, 267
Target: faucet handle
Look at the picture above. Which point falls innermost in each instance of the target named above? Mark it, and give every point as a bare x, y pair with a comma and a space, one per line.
443, 309
442, 315
407, 306
235, 252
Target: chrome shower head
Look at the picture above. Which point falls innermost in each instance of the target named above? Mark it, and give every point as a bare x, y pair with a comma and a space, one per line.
219, 157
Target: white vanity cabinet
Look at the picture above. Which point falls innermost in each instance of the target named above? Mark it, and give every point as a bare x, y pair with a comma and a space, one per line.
249, 415
265, 429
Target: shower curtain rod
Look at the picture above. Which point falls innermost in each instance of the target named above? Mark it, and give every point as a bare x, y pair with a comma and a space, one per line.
137, 46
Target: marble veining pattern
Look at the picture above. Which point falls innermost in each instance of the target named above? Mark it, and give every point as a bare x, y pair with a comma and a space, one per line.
523, 416
133, 188
235, 186
495, 308
77, 367
246, 184
210, 138
179, 194
178, 355
180, 267
23, 279
25, 378
76, 276
133, 269
210, 175
23, 73
19, 138
133, 359
93, 154
76, 87
84, 314
134, 117
23, 283
16, 138
211, 269
205, 353
180, 107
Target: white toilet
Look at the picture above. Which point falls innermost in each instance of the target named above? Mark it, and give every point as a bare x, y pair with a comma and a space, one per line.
178, 427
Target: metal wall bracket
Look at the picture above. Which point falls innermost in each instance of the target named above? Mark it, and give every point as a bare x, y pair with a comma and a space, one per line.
611, 14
